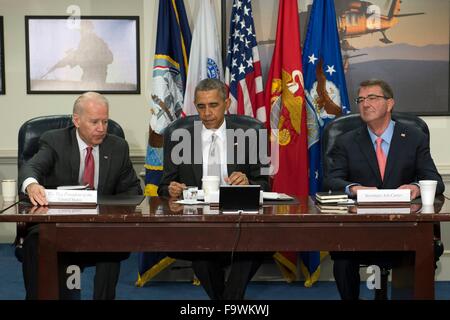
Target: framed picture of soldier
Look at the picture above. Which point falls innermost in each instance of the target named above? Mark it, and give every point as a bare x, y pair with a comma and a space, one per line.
85, 53
2, 59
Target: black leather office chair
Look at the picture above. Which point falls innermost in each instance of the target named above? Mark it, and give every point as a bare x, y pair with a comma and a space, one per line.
245, 122
28, 145
346, 123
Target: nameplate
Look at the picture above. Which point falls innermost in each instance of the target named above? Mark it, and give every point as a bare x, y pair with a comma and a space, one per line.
380, 196
72, 211
378, 210
71, 197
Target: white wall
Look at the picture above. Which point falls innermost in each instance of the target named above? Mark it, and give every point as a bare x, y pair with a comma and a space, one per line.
131, 111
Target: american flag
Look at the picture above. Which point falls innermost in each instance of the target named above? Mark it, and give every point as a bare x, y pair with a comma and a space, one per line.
243, 70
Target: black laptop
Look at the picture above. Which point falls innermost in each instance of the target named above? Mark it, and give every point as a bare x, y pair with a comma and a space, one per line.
239, 199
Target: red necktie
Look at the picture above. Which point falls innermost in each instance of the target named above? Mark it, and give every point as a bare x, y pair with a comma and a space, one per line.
89, 168
381, 157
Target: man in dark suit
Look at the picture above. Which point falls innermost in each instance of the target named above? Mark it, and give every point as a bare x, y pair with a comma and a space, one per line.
211, 102
382, 154
78, 155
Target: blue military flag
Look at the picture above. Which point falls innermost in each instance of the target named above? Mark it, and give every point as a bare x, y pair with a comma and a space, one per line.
170, 65
325, 88
326, 98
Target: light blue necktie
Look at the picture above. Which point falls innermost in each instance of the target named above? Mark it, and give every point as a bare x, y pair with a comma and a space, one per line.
214, 158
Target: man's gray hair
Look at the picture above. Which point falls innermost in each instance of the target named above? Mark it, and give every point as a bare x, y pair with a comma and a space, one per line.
88, 96
385, 87
212, 84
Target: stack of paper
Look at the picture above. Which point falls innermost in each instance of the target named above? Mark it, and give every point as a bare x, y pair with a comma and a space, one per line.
276, 196
78, 187
331, 197
332, 208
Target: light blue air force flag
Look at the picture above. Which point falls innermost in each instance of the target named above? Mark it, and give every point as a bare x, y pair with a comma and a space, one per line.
325, 88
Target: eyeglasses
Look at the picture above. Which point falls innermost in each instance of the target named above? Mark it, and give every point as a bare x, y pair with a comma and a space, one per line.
370, 98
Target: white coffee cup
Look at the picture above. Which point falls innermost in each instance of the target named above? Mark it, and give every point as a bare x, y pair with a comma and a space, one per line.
427, 191
210, 183
9, 190
427, 209
190, 193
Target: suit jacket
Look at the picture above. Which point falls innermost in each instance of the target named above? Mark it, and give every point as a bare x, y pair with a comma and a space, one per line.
191, 171
58, 163
409, 160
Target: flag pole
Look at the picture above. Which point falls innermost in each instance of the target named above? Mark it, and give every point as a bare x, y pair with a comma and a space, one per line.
223, 9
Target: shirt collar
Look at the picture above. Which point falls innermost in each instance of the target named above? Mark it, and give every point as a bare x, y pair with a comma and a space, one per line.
220, 132
386, 135
83, 145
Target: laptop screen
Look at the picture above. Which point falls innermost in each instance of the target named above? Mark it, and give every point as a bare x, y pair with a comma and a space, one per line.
239, 198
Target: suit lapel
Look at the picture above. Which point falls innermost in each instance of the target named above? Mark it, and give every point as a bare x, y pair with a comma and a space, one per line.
231, 145
197, 167
366, 146
74, 158
398, 139
104, 157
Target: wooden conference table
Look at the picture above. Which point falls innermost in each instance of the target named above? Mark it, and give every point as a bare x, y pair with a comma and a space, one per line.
157, 224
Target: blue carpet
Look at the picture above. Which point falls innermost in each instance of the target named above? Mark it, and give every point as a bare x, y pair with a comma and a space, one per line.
11, 287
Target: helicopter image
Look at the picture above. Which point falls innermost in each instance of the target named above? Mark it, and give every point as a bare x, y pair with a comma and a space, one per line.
358, 18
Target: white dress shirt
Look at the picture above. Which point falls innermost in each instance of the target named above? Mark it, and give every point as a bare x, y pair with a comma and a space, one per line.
222, 143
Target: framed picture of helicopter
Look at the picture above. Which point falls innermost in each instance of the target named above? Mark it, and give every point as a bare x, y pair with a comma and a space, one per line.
2, 59
85, 53
408, 47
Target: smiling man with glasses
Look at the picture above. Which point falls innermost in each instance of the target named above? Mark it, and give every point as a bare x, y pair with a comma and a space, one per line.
381, 154
375, 102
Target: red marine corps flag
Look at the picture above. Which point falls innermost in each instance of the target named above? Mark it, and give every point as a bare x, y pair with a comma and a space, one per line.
287, 116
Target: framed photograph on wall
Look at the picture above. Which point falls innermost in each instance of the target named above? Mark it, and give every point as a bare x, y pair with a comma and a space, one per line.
78, 54
2, 58
405, 43
410, 50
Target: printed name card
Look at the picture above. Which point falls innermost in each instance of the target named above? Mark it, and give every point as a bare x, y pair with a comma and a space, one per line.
383, 195
388, 210
72, 197
71, 211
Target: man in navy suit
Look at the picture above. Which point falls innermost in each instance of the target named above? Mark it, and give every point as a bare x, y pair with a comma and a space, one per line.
211, 102
382, 154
